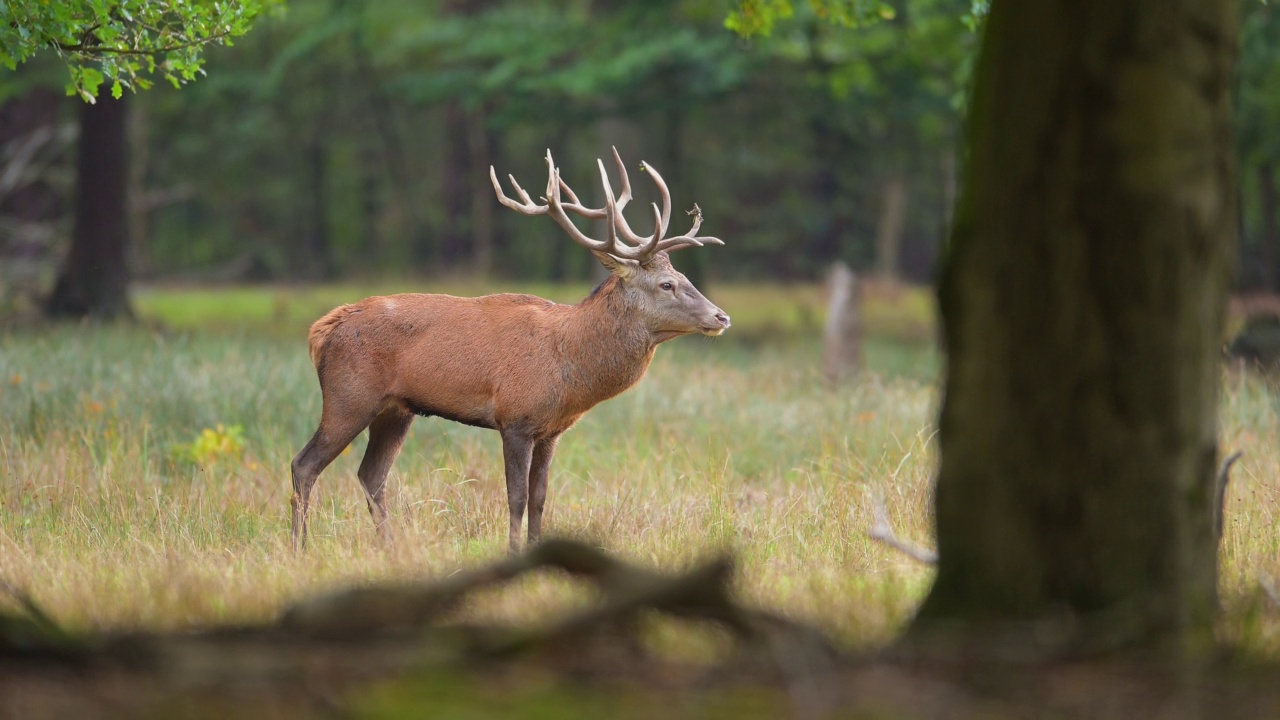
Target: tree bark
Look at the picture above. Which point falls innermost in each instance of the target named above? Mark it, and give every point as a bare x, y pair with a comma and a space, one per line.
1083, 300
94, 279
947, 163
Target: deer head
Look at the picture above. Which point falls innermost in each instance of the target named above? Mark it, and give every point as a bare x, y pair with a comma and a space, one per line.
664, 298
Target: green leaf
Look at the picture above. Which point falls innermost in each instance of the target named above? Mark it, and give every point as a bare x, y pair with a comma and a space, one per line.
90, 80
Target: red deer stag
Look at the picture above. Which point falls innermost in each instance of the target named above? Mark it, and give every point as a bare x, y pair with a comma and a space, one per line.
518, 364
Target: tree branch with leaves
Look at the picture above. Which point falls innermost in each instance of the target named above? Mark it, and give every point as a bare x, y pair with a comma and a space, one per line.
124, 41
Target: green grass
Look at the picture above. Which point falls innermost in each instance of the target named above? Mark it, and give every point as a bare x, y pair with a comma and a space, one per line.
727, 443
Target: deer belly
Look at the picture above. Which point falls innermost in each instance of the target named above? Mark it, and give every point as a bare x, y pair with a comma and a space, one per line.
464, 417
450, 392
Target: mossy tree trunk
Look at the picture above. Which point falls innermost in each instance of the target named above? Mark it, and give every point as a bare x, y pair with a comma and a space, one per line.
1083, 301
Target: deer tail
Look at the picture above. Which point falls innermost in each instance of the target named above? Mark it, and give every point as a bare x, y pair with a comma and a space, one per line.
321, 329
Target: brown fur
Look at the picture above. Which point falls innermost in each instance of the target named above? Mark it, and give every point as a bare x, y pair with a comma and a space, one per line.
526, 367
321, 328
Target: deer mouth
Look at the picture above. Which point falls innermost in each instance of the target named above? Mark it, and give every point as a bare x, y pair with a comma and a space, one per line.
720, 324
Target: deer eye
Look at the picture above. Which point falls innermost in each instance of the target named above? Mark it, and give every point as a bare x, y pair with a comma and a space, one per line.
666, 286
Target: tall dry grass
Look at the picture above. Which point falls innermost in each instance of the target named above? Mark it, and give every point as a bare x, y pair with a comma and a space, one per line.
724, 445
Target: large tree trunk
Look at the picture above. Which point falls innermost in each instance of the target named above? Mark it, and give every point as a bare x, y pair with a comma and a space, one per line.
94, 279
1083, 301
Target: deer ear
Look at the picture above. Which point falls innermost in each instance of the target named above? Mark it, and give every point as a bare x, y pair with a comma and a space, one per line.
622, 267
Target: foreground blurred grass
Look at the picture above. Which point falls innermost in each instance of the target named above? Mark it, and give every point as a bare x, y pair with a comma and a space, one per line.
729, 443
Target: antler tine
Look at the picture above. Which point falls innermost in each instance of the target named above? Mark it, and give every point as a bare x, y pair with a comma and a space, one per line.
696, 212
553, 176
611, 213
650, 246
624, 228
647, 247
681, 242
662, 190
625, 197
574, 205
520, 191
528, 207
691, 238
633, 247
573, 197
556, 210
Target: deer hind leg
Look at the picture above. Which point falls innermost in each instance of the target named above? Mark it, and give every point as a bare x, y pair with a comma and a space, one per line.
539, 469
334, 434
517, 452
386, 436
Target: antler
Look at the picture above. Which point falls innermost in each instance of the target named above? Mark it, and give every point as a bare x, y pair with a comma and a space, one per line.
621, 241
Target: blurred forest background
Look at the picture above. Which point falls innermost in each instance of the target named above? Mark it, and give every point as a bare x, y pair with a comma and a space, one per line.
343, 139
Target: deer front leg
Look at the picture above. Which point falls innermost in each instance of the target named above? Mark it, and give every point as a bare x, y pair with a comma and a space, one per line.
517, 451
538, 472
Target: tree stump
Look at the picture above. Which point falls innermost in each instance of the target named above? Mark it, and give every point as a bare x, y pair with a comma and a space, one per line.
842, 336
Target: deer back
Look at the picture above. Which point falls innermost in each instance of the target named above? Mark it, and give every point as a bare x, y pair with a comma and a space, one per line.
490, 361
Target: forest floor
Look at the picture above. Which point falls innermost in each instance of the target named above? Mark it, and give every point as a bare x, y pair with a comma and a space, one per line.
144, 508
260, 673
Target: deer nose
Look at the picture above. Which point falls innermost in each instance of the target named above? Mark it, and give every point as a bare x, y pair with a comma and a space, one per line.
722, 319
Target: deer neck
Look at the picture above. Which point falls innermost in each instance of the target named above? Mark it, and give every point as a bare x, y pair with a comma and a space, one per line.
616, 345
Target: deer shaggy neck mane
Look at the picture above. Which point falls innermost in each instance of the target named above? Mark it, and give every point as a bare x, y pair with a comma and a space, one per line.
617, 349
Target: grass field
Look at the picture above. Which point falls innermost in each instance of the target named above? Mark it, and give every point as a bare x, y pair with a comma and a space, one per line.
145, 476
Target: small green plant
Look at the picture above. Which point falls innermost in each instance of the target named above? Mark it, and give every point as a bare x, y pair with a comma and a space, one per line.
212, 445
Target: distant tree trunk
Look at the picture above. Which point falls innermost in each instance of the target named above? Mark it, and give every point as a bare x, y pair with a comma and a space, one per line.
392, 150
370, 205
824, 243
28, 126
319, 254
479, 158
1083, 300
824, 187
893, 215
94, 278
842, 334
455, 241
1269, 236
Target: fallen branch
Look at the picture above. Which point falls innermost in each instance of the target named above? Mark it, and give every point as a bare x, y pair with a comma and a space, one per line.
375, 632
35, 613
416, 604
1220, 492
882, 531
